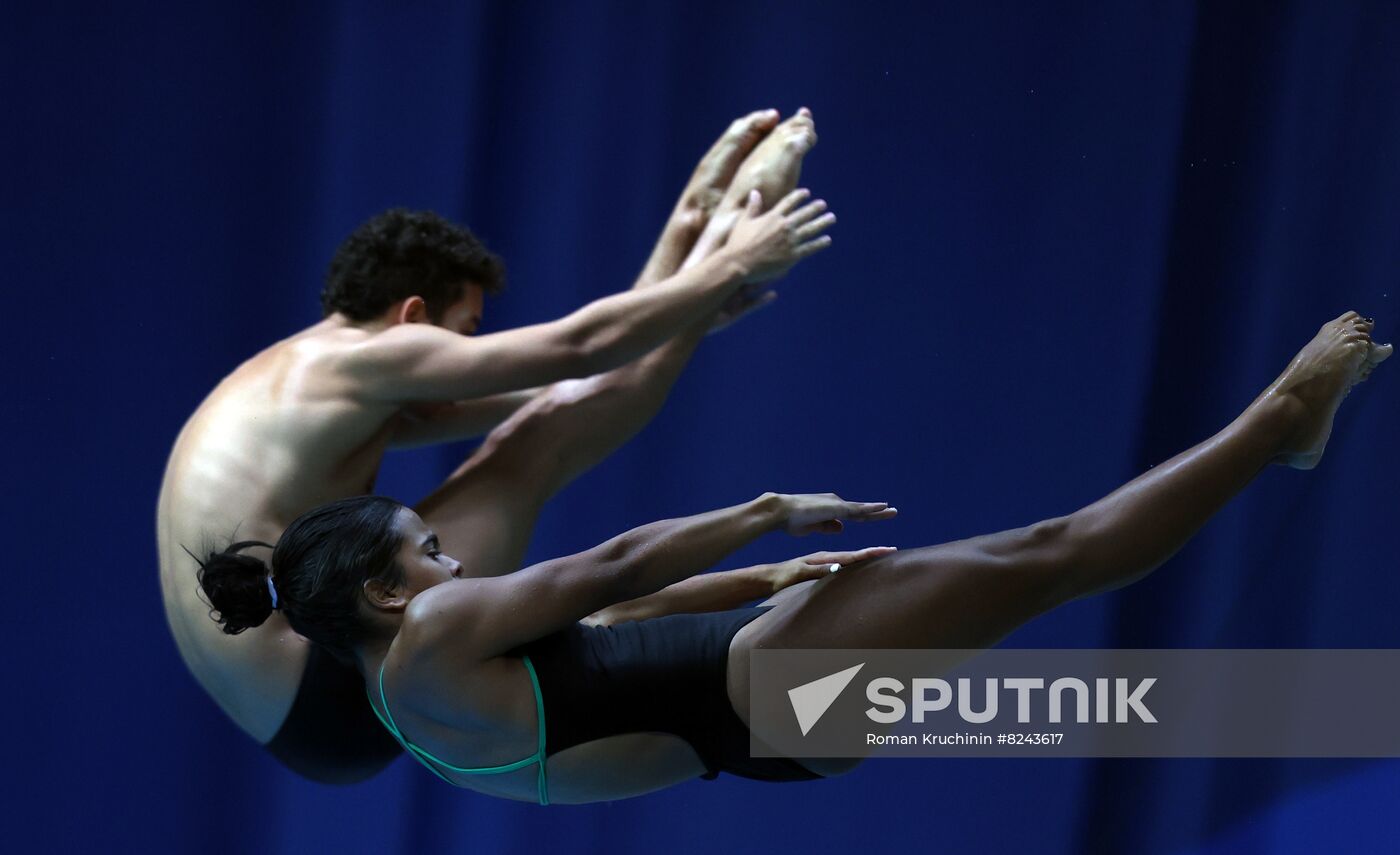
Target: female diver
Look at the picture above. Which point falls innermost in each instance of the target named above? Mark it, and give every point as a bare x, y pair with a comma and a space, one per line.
495, 684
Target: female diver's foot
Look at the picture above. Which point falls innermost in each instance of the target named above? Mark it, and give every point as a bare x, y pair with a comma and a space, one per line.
1313, 385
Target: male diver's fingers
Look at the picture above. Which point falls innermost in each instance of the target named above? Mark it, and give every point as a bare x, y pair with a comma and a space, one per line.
887, 513
743, 310
755, 203
792, 200
810, 230
754, 305
812, 247
807, 211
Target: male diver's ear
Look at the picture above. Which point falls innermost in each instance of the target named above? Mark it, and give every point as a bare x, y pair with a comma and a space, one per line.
385, 595
412, 310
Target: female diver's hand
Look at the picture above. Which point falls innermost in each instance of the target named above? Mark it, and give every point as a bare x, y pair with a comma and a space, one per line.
816, 565
823, 512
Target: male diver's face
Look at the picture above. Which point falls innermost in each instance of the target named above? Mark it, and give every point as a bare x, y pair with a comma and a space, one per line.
421, 558
464, 316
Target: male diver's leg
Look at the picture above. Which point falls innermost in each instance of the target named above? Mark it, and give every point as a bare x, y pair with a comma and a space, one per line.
485, 512
702, 194
772, 169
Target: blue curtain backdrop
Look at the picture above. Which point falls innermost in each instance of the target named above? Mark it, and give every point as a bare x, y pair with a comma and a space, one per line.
1074, 239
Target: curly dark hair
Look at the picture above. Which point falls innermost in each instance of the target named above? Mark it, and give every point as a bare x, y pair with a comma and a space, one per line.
402, 253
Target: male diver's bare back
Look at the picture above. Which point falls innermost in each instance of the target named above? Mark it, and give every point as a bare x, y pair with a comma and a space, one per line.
280, 435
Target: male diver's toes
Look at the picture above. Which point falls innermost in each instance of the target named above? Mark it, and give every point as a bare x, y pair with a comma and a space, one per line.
745, 132
760, 121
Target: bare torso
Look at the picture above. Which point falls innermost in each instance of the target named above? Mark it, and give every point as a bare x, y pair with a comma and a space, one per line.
278, 436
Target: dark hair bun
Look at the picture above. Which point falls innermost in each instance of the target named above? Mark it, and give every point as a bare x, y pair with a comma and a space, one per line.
236, 586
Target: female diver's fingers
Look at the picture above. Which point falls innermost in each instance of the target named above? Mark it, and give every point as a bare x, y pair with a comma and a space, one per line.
869, 552
865, 507
810, 230
792, 200
755, 204
849, 557
886, 514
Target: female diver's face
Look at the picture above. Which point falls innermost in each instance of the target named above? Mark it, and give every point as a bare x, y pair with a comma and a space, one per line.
423, 562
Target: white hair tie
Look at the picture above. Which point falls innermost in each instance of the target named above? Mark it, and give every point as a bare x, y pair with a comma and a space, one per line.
272, 589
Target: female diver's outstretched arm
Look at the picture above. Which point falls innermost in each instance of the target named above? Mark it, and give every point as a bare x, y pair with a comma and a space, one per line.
482, 617
730, 589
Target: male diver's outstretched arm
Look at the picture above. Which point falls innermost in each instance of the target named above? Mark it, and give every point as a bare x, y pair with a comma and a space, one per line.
484, 617
420, 362
459, 420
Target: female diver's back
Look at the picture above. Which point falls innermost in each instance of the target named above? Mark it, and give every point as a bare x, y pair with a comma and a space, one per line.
665, 674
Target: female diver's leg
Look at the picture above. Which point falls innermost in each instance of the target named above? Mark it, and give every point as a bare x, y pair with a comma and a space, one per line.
971, 593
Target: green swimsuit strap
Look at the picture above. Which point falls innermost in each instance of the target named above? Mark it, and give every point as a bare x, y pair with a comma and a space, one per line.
542, 780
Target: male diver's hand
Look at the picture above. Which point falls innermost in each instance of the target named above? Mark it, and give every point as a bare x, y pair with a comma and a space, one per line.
769, 244
806, 513
816, 565
746, 300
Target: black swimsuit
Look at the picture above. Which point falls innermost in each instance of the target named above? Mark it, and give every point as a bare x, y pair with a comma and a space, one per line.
665, 674
331, 734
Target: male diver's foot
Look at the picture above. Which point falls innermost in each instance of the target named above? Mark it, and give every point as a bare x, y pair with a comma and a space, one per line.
772, 169
1315, 382
776, 164
702, 195
717, 168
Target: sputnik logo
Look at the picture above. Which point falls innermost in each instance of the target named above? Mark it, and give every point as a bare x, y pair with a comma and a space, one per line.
810, 701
